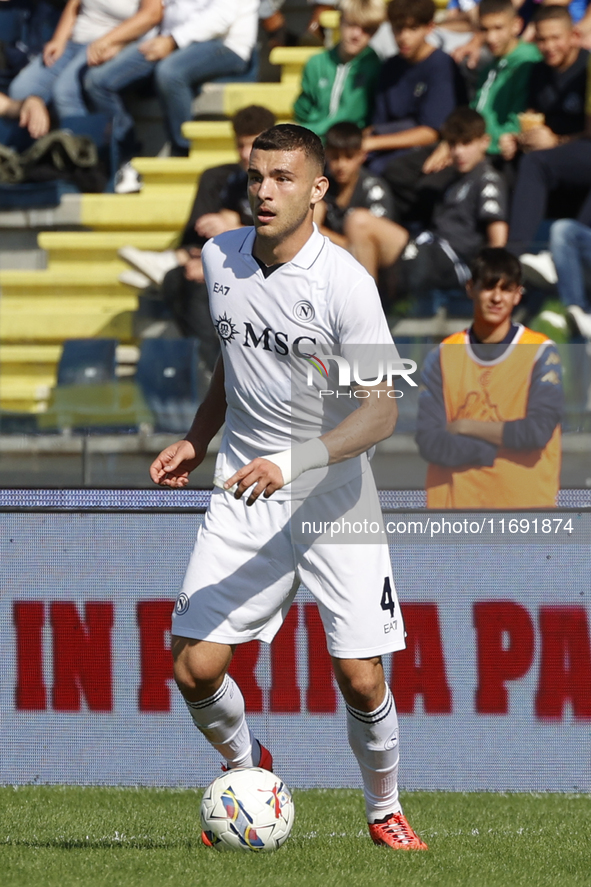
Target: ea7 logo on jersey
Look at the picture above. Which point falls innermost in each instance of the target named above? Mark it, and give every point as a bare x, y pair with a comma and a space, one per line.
220, 288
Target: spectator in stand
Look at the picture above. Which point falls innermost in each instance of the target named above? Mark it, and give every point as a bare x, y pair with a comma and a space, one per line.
570, 249
470, 215
221, 204
540, 173
30, 116
34, 23
351, 186
417, 90
557, 87
88, 33
198, 41
339, 85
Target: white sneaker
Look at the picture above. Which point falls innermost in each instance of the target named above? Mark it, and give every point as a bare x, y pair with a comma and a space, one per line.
127, 180
153, 264
581, 320
135, 279
539, 269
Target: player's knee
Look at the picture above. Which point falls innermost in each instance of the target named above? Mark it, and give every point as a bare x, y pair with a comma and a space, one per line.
196, 672
361, 682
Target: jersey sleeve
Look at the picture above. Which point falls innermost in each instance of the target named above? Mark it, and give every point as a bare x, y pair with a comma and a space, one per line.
545, 405
492, 198
436, 444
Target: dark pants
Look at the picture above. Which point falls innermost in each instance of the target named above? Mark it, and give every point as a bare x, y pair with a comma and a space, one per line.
189, 305
540, 173
415, 194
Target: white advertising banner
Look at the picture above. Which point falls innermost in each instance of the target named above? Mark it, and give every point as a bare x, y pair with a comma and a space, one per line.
493, 690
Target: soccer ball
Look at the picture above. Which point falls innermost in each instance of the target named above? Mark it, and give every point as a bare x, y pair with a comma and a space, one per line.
247, 809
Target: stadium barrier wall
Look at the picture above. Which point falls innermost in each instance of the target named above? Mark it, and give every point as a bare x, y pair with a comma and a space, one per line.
493, 690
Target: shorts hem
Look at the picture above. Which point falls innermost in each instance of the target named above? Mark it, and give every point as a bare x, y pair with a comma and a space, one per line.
366, 653
215, 638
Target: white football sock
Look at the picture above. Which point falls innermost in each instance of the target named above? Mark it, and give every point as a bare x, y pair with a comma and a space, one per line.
373, 736
221, 719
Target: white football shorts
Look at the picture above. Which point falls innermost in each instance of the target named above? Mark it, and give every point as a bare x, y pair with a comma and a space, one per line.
248, 562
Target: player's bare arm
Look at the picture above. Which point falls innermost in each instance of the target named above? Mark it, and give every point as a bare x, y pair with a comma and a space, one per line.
373, 421
174, 464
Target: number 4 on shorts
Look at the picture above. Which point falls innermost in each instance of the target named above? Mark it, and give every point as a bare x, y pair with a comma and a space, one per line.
387, 601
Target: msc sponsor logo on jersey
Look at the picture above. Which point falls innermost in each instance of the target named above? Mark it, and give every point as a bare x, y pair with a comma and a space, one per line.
304, 311
271, 340
226, 330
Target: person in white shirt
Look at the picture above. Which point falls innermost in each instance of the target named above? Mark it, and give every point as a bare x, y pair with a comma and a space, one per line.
293, 461
198, 41
89, 32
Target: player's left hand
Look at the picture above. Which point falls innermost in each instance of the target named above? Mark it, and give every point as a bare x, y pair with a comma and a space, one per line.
266, 476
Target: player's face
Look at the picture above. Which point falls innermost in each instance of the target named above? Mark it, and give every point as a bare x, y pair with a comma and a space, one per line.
244, 145
283, 188
499, 30
493, 305
410, 38
466, 156
344, 166
554, 39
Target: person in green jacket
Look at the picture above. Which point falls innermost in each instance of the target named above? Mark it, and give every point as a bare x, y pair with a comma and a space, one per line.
503, 89
339, 85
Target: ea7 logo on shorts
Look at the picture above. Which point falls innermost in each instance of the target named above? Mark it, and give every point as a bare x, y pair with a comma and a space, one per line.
220, 288
182, 604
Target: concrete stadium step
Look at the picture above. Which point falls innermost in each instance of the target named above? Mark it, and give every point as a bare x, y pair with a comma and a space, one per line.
68, 300
158, 208
27, 373
292, 60
278, 97
181, 171
99, 246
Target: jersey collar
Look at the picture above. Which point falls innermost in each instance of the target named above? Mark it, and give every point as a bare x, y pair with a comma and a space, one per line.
304, 259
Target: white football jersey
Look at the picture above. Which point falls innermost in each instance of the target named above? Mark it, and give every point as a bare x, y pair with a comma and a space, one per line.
322, 300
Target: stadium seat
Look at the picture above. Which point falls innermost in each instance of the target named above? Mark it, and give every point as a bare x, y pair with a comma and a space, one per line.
87, 362
169, 375
114, 406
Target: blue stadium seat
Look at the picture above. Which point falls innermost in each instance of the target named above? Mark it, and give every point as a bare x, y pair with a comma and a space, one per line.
171, 380
87, 362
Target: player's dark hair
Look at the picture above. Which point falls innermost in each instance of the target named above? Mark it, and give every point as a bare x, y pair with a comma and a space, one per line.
462, 126
546, 13
494, 264
411, 13
290, 137
345, 137
494, 7
252, 120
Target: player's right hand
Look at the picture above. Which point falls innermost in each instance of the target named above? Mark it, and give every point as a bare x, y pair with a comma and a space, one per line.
174, 464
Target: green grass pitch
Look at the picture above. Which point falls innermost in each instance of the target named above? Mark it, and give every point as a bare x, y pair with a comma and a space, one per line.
57, 836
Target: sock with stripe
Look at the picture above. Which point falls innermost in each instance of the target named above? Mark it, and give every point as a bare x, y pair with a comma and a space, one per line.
373, 737
221, 718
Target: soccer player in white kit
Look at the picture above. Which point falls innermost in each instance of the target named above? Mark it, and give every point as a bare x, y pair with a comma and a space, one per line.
277, 290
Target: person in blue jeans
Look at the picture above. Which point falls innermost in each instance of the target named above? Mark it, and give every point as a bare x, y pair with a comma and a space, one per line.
570, 247
199, 40
88, 33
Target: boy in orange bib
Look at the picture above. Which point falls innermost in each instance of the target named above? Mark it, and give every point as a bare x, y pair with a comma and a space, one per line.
491, 403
